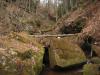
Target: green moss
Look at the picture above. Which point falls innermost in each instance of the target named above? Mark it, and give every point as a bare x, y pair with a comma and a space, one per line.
64, 53
28, 61
96, 60
26, 55
91, 69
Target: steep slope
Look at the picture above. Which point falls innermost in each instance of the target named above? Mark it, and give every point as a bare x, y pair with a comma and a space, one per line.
15, 17
76, 20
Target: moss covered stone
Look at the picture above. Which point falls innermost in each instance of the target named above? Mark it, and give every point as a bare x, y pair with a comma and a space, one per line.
20, 55
95, 60
63, 52
91, 69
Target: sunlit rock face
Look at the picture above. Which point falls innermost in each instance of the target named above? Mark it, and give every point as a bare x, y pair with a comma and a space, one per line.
63, 52
20, 55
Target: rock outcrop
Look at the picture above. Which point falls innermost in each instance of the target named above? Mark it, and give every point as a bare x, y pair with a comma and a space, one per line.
65, 52
20, 55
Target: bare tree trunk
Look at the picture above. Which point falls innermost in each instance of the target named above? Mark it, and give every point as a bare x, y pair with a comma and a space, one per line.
56, 7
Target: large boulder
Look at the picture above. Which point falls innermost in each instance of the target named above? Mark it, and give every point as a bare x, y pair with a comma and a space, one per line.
20, 55
64, 52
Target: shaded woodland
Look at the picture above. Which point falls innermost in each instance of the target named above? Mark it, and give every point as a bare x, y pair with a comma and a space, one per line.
49, 37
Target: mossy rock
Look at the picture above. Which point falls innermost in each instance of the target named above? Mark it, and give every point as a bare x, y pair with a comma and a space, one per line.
63, 52
96, 49
95, 60
91, 69
21, 57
